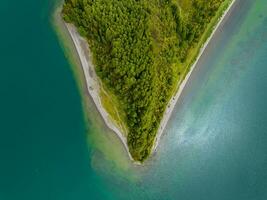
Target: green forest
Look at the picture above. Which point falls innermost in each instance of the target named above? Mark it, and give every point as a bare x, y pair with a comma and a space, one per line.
142, 50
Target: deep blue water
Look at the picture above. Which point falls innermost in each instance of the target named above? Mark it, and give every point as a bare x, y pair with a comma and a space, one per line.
214, 147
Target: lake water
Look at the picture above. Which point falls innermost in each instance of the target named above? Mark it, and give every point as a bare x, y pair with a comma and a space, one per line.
214, 147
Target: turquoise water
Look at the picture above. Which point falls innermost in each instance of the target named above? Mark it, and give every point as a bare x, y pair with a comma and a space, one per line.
214, 147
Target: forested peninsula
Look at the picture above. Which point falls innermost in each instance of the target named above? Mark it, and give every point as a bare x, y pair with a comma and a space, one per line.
142, 50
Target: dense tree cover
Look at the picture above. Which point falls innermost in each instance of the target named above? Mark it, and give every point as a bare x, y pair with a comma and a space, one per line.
139, 48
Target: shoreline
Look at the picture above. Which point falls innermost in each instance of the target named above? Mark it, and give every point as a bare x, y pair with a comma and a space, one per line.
93, 83
170, 106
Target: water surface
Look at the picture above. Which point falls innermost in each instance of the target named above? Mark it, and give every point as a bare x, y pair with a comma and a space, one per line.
214, 146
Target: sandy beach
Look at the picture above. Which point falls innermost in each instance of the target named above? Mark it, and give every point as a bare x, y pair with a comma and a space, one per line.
93, 83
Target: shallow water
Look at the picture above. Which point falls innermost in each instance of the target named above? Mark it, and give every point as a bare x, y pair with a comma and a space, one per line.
214, 146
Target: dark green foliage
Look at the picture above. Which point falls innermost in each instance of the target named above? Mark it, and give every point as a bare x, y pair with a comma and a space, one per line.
139, 48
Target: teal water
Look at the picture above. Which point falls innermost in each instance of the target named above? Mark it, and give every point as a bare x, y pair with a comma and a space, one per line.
214, 147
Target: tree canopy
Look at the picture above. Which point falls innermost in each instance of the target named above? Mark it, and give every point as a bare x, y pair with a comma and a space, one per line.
140, 48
